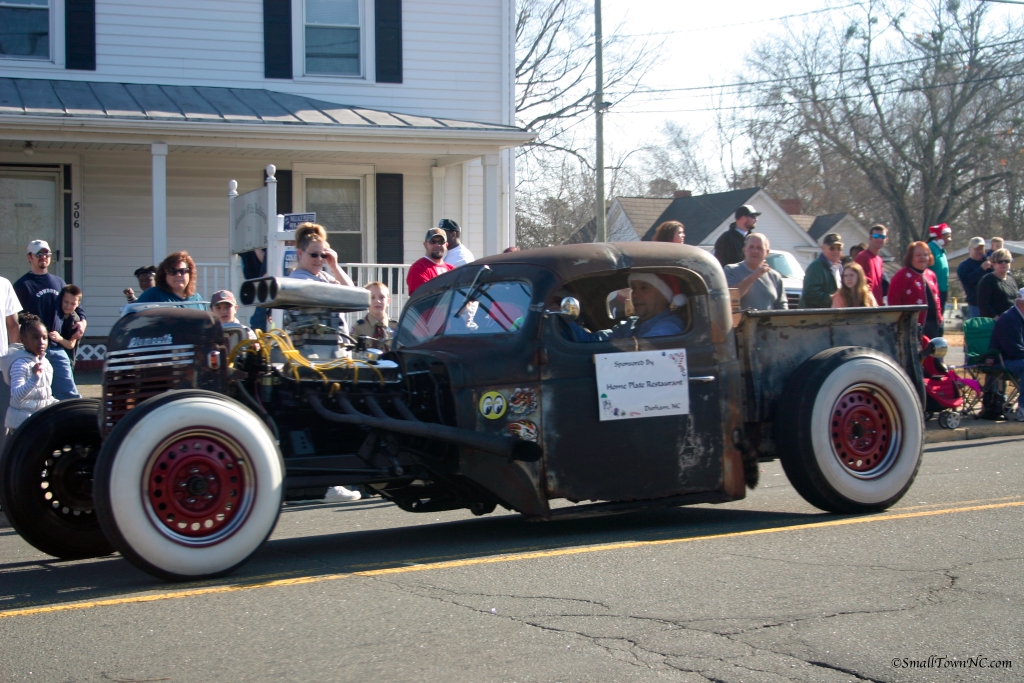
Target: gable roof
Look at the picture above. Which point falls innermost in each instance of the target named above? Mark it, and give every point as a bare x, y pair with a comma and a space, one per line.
643, 211
804, 220
822, 224
90, 100
703, 213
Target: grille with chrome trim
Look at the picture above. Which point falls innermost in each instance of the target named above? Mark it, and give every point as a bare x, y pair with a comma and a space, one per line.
134, 375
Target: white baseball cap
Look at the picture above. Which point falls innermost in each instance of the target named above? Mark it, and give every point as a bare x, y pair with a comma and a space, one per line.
36, 246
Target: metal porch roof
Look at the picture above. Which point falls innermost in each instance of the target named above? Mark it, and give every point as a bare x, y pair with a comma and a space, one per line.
92, 100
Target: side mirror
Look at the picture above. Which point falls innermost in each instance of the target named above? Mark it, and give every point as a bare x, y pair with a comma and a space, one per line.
570, 309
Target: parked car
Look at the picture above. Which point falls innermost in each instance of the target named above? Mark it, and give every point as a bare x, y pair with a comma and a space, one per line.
487, 399
792, 275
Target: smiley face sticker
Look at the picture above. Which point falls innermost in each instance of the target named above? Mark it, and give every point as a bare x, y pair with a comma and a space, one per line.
492, 405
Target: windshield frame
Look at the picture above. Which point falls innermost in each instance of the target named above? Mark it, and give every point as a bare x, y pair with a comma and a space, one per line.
451, 300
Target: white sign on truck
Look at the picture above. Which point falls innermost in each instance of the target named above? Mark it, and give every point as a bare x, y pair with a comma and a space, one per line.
642, 384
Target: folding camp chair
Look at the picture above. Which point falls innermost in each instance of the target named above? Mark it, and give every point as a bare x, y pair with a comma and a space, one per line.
984, 364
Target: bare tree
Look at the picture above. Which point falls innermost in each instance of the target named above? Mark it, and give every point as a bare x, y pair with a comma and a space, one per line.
555, 73
914, 101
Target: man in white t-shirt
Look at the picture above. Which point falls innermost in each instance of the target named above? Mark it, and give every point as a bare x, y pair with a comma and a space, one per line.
458, 253
10, 306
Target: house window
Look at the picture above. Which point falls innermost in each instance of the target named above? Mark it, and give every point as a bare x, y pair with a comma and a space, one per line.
338, 206
25, 28
333, 37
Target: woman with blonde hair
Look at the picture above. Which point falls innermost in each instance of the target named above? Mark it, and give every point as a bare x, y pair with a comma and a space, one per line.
313, 252
854, 293
670, 231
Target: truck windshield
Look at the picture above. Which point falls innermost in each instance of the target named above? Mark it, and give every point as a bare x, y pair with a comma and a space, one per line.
780, 263
497, 308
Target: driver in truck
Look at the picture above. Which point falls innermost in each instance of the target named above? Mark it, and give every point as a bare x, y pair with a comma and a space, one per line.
653, 297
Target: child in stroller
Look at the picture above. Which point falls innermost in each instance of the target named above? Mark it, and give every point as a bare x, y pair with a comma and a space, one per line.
946, 393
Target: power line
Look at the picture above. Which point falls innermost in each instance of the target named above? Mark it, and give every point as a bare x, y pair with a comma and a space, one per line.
744, 23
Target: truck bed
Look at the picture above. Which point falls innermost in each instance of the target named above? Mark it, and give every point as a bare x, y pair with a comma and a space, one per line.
771, 345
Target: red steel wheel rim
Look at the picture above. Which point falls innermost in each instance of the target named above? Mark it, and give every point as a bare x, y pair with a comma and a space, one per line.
198, 488
865, 431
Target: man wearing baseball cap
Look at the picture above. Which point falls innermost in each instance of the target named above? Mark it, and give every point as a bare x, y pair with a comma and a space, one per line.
431, 265
729, 246
822, 278
458, 253
652, 295
39, 294
970, 271
1008, 339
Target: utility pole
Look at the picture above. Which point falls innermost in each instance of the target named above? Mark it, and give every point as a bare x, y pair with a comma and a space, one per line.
599, 105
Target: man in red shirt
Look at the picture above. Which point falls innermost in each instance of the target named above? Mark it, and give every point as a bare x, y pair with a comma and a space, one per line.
872, 263
431, 265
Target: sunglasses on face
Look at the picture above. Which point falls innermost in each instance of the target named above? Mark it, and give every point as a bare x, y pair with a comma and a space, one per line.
836, 247
179, 271
1004, 262
316, 254
43, 254
438, 240
878, 237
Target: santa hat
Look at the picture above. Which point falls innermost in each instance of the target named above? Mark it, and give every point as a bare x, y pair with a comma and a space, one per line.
939, 230
666, 285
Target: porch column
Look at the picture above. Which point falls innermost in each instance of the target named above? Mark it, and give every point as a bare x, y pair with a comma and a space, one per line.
438, 173
492, 205
159, 153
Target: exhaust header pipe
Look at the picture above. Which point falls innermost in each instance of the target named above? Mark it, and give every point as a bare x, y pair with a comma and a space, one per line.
287, 292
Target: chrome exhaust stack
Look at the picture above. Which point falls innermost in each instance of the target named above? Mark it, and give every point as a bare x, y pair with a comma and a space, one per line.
292, 293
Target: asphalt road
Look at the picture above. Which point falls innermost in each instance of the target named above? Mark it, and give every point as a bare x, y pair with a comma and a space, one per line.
765, 589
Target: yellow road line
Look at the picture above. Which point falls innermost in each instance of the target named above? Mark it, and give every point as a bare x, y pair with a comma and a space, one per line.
532, 555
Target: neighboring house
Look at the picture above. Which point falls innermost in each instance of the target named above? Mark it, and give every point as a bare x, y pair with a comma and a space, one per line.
628, 218
121, 124
708, 216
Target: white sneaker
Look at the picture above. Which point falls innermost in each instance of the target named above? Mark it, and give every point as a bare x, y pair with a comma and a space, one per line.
340, 494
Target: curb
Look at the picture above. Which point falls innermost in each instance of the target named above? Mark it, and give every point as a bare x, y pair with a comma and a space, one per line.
971, 433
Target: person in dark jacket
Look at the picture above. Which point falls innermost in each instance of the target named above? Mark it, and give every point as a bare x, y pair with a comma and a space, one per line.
729, 246
822, 278
997, 290
970, 271
1008, 339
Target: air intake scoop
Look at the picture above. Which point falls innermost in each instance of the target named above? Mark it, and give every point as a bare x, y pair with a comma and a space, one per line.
292, 293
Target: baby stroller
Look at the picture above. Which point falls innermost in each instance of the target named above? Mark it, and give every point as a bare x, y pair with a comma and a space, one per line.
946, 393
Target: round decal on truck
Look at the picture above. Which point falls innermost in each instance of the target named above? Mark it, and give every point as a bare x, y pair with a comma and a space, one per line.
492, 405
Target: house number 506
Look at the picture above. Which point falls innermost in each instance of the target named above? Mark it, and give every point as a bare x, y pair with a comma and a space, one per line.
77, 214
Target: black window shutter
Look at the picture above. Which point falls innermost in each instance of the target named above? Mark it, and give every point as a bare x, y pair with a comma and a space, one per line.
80, 35
390, 218
277, 38
284, 191
388, 17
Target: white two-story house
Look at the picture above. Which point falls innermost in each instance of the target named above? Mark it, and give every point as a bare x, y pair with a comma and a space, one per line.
122, 122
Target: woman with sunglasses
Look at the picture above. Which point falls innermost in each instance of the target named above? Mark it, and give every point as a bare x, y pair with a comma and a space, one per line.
175, 283
314, 253
914, 285
997, 290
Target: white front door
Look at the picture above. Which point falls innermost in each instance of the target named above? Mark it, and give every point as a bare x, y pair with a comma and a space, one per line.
29, 210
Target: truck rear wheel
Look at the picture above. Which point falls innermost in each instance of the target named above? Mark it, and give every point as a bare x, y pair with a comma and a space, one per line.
850, 431
47, 475
189, 485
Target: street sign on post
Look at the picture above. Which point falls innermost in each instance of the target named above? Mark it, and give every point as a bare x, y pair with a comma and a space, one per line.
294, 220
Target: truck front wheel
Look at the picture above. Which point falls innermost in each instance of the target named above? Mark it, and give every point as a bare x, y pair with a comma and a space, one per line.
47, 475
189, 485
850, 431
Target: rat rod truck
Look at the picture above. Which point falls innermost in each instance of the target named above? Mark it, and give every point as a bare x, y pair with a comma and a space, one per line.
486, 399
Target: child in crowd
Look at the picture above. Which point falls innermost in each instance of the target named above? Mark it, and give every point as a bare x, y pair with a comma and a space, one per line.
70, 299
376, 324
28, 372
224, 307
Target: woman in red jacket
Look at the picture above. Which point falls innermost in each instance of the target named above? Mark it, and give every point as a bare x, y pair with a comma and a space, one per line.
916, 285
